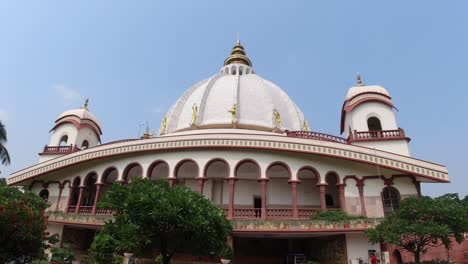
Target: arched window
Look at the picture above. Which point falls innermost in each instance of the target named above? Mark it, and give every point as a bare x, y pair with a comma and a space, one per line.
44, 194
390, 200
159, 170
63, 140
90, 190
85, 144
373, 123
131, 171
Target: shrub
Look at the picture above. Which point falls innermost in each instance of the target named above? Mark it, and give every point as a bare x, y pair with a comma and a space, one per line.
334, 216
63, 255
159, 260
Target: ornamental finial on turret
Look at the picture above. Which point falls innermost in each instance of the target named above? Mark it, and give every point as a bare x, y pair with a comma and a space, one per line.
85, 105
358, 79
238, 55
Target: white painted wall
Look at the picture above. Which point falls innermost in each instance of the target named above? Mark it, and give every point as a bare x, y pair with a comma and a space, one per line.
279, 193
357, 118
307, 193
396, 146
357, 246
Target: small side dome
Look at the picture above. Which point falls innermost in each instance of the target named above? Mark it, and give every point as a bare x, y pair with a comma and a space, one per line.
79, 126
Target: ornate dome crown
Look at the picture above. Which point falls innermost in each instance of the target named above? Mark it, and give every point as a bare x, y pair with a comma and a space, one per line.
236, 97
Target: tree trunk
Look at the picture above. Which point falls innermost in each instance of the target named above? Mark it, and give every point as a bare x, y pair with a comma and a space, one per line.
417, 257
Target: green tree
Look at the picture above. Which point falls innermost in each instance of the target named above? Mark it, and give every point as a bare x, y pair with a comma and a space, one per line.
4, 156
154, 215
423, 223
22, 225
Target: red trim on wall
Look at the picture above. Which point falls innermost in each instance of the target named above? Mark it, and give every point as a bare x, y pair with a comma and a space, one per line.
180, 163
281, 163
239, 163
214, 160
153, 164
129, 167
307, 167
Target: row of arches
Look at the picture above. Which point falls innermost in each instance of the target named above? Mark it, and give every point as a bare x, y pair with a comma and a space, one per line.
215, 168
234, 70
252, 191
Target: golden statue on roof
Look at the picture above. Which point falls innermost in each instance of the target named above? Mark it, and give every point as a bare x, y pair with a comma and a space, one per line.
194, 114
277, 117
233, 112
162, 129
305, 125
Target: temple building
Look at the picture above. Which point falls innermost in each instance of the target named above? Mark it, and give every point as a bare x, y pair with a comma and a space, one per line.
243, 143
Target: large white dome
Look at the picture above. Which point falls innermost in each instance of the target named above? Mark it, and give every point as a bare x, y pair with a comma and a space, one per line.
210, 103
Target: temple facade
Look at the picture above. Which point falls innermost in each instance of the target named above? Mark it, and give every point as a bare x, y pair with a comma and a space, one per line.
243, 143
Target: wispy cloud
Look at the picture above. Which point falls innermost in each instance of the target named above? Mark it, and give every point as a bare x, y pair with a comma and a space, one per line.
67, 94
3, 116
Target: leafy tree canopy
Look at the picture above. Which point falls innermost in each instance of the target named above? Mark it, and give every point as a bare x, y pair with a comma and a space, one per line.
172, 219
423, 223
22, 225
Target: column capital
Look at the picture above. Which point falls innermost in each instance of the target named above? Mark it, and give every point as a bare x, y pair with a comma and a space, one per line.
294, 181
263, 180
321, 184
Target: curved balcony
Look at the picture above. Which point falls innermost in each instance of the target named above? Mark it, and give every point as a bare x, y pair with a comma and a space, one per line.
378, 135
316, 136
59, 149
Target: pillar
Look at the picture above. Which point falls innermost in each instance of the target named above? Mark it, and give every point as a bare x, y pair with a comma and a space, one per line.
341, 194
80, 197
294, 198
96, 198
57, 204
171, 181
360, 186
232, 183
323, 204
263, 183
70, 193
200, 182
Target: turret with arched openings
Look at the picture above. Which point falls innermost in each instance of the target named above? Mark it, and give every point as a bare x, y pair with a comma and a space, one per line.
74, 130
367, 119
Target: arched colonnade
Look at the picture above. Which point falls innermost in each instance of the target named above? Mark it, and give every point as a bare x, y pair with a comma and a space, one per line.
244, 189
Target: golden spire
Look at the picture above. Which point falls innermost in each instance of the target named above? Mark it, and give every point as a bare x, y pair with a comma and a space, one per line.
358, 79
238, 55
85, 105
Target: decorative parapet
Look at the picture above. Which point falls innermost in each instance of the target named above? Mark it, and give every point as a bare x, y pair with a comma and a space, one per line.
275, 226
77, 219
270, 226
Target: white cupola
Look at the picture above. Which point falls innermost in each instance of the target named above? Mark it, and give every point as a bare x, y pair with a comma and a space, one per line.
368, 119
74, 130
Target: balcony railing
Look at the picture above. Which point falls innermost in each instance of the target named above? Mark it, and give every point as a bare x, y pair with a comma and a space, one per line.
238, 213
59, 149
377, 135
316, 136
355, 136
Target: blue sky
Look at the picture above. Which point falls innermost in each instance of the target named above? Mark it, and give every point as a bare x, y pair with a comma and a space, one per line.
135, 58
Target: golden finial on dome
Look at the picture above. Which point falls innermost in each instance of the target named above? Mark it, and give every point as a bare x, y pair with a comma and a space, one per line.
358, 79
85, 105
238, 55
